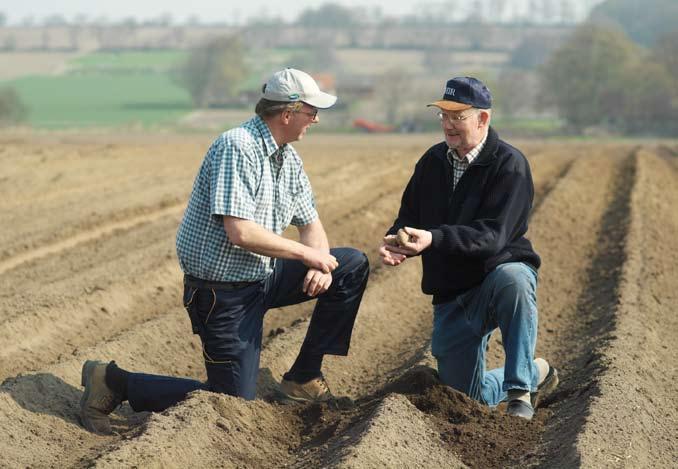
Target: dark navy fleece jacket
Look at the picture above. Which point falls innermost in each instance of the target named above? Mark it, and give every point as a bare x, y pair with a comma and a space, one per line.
476, 227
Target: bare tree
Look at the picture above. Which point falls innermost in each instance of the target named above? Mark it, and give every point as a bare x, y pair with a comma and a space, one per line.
12, 109
214, 71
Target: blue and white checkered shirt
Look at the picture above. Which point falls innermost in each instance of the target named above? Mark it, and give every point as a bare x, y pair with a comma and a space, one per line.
246, 175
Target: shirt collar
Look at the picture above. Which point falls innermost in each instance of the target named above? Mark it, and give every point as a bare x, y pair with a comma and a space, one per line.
471, 155
271, 148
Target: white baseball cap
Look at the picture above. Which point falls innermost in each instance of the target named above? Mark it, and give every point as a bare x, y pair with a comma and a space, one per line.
292, 85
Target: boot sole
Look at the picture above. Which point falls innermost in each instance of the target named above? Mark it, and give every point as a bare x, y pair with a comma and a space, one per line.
85, 378
283, 398
85, 381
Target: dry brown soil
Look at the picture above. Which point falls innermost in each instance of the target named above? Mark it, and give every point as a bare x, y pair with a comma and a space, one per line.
88, 270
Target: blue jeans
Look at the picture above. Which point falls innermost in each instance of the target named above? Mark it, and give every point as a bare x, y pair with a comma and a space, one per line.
230, 325
461, 328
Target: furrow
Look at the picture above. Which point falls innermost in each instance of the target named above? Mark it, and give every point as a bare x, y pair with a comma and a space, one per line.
58, 192
643, 339
581, 286
53, 306
543, 189
395, 434
172, 210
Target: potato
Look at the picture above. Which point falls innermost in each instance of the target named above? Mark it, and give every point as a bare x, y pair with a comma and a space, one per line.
391, 240
399, 239
402, 237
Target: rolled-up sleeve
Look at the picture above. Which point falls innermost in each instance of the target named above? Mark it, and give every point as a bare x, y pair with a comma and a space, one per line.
233, 182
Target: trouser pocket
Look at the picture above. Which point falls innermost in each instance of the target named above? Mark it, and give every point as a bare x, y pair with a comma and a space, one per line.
191, 304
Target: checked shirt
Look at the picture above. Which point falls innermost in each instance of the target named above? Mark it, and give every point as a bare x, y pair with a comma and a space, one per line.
245, 174
460, 163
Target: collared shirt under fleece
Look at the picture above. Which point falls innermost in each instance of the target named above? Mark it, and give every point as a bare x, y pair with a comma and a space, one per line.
475, 226
460, 163
245, 174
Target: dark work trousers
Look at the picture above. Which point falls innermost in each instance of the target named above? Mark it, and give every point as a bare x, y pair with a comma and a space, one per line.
230, 325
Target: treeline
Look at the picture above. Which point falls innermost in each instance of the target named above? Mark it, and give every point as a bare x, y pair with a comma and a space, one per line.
602, 78
598, 79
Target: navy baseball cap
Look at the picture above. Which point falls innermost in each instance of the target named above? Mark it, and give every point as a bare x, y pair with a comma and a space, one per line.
464, 93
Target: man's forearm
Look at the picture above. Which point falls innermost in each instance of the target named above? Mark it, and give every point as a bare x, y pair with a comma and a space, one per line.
257, 239
313, 235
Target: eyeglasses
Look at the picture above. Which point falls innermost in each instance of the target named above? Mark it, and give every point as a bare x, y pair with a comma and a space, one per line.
312, 115
452, 118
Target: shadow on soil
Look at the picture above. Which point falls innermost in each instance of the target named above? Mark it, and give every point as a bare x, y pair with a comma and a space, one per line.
44, 393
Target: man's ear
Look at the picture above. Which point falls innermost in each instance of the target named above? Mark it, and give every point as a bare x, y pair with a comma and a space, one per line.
285, 116
484, 117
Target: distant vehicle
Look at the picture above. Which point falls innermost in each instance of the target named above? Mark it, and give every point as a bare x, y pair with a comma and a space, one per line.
372, 127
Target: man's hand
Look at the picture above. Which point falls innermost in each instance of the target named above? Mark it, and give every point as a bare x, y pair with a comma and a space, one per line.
316, 282
388, 257
319, 260
418, 242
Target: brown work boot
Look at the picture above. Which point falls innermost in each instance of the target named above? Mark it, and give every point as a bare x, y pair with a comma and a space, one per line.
98, 400
315, 390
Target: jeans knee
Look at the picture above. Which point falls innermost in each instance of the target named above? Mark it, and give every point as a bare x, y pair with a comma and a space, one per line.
350, 278
357, 259
353, 262
514, 281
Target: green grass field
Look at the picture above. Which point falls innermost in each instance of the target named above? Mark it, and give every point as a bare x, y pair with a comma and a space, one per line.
107, 90
113, 89
101, 100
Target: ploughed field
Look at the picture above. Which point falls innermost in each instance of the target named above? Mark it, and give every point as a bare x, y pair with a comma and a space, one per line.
88, 271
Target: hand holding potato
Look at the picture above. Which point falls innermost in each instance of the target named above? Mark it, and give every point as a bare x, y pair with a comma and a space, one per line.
398, 239
408, 241
388, 257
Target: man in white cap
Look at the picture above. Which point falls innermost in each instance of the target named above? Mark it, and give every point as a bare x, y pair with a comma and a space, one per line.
465, 212
236, 264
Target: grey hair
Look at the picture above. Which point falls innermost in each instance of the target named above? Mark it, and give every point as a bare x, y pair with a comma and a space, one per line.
266, 108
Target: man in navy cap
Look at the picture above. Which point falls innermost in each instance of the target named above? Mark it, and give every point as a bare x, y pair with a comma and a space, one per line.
465, 212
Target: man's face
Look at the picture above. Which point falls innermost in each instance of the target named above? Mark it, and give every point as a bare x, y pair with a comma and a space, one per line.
301, 120
463, 129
